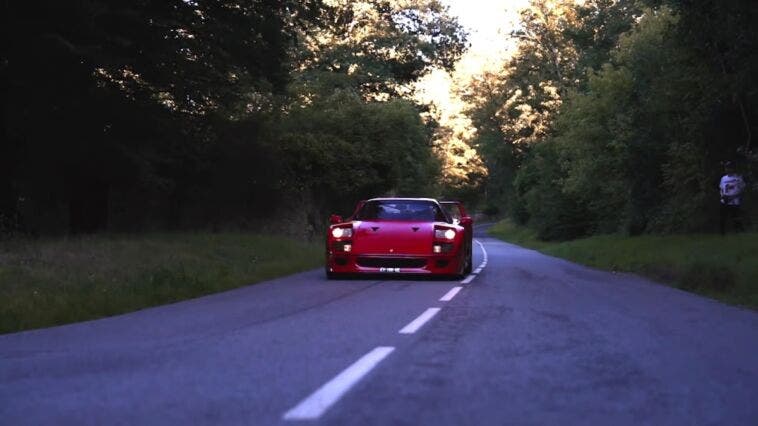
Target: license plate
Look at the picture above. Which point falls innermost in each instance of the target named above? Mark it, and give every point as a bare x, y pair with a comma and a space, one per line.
394, 270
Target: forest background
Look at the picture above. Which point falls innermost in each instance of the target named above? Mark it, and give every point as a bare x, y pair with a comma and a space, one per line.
611, 116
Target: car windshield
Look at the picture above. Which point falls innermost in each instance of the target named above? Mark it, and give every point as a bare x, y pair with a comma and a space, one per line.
413, 210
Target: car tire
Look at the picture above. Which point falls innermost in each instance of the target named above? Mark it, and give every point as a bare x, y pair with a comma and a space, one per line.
461, 274
469, 262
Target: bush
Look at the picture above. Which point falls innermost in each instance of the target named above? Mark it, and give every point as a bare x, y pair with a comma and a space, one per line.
707, 277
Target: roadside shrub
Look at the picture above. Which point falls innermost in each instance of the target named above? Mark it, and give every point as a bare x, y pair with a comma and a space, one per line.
705, 276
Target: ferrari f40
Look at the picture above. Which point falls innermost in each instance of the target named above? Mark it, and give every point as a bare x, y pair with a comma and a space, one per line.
399, 236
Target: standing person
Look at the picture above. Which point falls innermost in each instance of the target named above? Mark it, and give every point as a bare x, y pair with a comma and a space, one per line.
731, 187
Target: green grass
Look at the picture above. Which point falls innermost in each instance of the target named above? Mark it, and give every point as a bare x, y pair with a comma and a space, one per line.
722, 267
51, 282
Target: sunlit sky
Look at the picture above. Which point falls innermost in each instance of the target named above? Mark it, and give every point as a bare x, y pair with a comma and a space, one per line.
488, 23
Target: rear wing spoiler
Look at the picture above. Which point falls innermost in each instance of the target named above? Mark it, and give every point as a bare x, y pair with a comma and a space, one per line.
460, 207
465, 218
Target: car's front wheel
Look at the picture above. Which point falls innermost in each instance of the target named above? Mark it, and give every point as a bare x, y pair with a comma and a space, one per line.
462, 268
469, 261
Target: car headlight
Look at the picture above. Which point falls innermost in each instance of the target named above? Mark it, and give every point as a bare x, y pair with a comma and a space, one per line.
342, 232
444, 234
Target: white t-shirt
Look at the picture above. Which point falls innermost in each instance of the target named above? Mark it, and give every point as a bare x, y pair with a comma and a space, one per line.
731, 189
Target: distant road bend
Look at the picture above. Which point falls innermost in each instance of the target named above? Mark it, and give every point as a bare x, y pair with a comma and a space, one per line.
525, 339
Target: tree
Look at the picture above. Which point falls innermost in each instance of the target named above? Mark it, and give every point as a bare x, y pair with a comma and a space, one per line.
106, 97
516, 108
377, 47
357, 65
328, 155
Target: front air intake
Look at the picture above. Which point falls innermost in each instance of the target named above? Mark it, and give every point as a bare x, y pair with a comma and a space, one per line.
391, 262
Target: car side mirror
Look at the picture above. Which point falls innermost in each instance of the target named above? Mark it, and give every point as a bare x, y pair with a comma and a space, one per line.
335, 218
466, 220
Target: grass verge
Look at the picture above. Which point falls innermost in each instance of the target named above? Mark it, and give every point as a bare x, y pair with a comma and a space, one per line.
52, 282
722, 267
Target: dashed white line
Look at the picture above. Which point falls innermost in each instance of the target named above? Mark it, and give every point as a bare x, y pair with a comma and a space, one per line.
312, 407
318, 402
450, 294
468, 279
420, 321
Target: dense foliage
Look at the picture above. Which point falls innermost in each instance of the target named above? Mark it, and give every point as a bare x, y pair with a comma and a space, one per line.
616, 115
612, 116
132, 115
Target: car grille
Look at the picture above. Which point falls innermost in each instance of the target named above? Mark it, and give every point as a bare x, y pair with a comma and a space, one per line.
391, 262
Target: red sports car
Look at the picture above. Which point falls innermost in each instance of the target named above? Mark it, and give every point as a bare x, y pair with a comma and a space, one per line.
399, 235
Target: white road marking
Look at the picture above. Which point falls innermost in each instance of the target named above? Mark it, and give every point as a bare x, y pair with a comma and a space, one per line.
468, 279
450, 294
318, 402
312, 407
420, 321
484, 252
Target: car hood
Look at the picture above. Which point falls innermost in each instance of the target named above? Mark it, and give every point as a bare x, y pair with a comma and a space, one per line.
393, 238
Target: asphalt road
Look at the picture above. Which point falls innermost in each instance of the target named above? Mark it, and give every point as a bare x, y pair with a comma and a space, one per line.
530, 339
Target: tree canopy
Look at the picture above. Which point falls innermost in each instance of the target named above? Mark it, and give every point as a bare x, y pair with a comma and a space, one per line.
131, 115
611, 116
615, 116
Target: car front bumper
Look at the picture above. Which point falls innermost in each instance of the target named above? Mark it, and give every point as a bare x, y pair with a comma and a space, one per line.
351, 263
